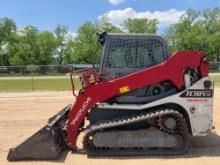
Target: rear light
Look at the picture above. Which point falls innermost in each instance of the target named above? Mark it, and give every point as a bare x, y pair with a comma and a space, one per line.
207, 84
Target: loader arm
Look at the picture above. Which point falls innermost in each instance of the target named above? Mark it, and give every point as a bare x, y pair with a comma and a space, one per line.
172, 69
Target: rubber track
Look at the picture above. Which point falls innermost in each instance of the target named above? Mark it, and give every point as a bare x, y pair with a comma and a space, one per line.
91, 150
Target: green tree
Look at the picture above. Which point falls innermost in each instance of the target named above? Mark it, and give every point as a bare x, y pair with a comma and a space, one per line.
32, 47
7, 35
46, 44
104, 25
61, 34
7, 29
197, 30
69, 52
211, 23
24, 51
86, 48
140, 25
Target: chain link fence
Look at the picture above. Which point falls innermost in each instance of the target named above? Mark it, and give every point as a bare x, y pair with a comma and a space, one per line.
50, 77
40, 77
214, 67
60, 70
40, 70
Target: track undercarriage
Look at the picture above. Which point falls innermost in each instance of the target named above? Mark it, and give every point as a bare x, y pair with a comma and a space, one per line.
167, 134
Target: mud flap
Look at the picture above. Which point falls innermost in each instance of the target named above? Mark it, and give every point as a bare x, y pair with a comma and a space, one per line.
47, 143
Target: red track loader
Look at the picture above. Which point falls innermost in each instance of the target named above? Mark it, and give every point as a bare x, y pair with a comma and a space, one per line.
140, 102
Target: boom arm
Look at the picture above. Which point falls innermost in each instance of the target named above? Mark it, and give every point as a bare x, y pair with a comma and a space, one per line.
172, 69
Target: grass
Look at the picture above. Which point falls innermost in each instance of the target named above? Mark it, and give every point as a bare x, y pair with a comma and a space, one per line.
29, 74
216, 80
23, 85
36, 84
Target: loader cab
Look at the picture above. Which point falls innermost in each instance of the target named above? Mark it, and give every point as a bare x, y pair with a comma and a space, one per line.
127, 53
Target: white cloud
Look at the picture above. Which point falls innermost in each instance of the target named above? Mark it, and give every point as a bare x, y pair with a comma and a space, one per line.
72, 34
165, 18
69, 36
116, 2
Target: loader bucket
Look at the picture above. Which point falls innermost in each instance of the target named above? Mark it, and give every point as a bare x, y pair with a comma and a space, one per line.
46, 144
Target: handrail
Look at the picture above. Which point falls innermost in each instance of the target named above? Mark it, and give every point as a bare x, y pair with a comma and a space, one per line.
88, 77
72, 84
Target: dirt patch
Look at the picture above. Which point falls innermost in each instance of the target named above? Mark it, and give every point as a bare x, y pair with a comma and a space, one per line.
22, 114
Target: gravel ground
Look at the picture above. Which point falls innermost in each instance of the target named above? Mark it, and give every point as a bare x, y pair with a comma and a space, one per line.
22, 114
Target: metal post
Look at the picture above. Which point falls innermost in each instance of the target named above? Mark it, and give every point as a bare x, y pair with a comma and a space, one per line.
32, 79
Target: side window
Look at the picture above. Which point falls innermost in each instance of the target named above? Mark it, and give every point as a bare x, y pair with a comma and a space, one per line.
115, 55
158, 52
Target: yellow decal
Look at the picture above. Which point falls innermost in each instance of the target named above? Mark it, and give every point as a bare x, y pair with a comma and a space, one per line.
124, 89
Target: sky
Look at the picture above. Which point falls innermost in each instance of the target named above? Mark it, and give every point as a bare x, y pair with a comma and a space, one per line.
47, 14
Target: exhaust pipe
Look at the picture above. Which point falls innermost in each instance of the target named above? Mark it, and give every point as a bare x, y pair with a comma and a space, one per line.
46, 144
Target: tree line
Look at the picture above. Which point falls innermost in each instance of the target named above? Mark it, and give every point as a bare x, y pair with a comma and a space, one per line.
196, 30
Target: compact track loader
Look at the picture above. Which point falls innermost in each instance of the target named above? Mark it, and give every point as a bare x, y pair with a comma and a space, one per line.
140, 102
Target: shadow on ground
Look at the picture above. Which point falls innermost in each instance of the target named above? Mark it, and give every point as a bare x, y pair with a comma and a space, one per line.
204, 146
200, 146
208, 146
